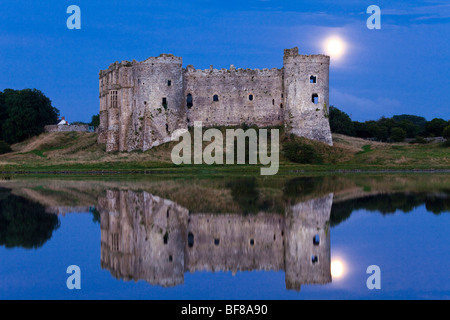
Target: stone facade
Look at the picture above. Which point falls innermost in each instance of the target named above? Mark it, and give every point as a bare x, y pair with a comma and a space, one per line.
69, 128
142, 103
145, 237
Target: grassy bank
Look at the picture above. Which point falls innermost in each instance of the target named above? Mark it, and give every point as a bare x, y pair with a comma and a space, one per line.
75, 152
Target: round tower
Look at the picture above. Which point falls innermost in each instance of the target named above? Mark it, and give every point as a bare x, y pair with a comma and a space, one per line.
306, 94
158, 97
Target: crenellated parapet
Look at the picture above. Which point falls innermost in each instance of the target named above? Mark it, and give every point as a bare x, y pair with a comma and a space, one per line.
143, 103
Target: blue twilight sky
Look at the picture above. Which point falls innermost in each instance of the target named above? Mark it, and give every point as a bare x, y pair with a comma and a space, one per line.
401, 68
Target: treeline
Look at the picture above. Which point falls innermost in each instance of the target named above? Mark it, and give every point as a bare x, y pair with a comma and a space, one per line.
24, 113
395, 129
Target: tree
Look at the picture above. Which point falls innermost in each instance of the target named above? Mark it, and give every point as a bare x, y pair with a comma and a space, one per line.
25, 113
361, 129
398, 134
2, 113
412, 130
436, 126
421, 122
4, 147
24, 223
95, 122
446, 133
340, 122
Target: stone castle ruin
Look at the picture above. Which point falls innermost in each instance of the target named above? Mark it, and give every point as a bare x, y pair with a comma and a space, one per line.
143, 103
145, 237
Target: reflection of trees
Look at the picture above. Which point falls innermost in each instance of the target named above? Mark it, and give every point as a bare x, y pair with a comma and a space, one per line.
437, 205
24, 223
389, 204
302, 186
245, 193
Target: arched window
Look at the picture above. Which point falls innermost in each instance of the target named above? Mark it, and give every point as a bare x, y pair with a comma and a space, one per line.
315, 98
190, 240
189, 100
250, 97
316, 240
215, 98
312, 79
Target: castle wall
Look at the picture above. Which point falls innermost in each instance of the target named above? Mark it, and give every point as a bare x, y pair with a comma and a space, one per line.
235, 242
69, 128
244, 96
154, 239
143, 103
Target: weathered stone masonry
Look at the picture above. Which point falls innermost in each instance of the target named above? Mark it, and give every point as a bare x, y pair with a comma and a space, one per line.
142, 103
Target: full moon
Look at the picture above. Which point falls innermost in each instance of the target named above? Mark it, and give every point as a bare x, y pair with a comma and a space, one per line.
337, 269
334, 47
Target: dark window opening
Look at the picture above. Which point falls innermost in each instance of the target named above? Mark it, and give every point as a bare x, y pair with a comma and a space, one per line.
315, 98
114, 99
312, 79
189, 103
190, 240
314, 259
216, 98
166, 238
167, 130
170, 259
169, 83
216, 242
273, 102
250, 97
252, 242
281, 105
316, 240
164, 103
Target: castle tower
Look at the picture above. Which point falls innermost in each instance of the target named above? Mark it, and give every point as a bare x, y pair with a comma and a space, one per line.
159, 108
142, 237
307, 250
306, 90
141, 103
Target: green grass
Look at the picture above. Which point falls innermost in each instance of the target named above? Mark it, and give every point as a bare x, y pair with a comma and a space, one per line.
366, 148
67, 153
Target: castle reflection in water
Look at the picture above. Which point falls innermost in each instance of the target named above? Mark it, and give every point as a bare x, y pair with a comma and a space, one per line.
145, 237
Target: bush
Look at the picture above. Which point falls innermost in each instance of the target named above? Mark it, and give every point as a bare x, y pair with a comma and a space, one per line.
340, 122
4, 147
446, 133
301, 153
398, 134
420, 140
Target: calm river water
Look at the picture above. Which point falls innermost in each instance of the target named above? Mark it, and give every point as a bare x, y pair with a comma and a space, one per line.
165, 237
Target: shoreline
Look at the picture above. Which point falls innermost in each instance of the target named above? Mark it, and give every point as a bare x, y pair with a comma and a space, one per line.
181, 172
